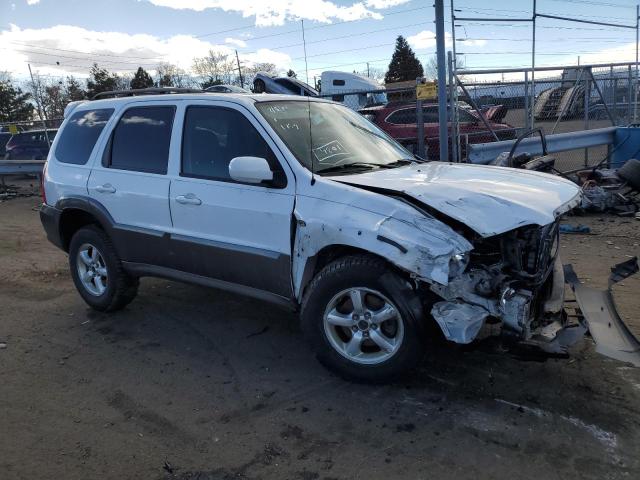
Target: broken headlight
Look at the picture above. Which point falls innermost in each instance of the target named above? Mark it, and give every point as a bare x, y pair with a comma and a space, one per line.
458, 264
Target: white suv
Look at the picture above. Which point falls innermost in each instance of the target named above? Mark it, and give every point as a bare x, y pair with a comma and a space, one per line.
305, 203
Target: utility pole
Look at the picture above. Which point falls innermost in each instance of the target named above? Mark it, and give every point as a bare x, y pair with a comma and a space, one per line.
304, 43
239, 71
635, 90
368, 75
442, 82
41, 113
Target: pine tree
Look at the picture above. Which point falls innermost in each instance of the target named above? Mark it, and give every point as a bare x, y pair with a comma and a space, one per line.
100, 80
141, 79
74, 90
14, 103
404, 63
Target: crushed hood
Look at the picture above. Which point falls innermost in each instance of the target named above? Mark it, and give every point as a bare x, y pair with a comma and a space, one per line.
489, 200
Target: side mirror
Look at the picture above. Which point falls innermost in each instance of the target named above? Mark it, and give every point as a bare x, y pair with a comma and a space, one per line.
250, 170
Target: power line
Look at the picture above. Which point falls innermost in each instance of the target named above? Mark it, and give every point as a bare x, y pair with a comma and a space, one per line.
588, 2
397, 12
92, 60
78, 51
557, 54
341, 37
548, 40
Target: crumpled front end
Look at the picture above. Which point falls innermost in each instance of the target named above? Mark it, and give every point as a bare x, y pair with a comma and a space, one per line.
518, 279
515, 278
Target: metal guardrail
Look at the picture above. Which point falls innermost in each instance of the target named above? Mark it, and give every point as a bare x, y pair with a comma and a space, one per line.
21, 167
562, 142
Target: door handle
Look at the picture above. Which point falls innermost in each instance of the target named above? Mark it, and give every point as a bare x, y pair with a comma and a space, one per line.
106, 188
188, 199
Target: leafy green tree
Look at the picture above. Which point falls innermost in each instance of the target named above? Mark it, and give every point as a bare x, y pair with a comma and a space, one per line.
141, 79
100, 80
73, 90
54, 100
404, 64
210, 82
15, 104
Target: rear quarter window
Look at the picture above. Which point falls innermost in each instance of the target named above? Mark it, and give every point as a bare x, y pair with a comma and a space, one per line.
80, 135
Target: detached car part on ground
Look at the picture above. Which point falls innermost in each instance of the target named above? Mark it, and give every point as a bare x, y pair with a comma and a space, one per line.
305, 203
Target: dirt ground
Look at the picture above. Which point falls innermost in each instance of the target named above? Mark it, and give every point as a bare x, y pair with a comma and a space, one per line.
193, 383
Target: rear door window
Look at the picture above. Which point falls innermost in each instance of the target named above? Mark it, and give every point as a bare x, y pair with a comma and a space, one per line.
430, 115
80, 135
141, 139
404, 116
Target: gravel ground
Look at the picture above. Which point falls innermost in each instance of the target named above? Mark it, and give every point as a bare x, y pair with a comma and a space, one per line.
192, 383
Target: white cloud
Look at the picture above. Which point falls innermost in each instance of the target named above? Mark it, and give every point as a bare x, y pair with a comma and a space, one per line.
618, 54
423, 39
276, 12
381, 4
473, 43
32, 2
236, 42
281, 60
57, 50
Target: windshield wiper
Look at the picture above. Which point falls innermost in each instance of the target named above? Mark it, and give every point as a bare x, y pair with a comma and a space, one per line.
348, 166
397, 163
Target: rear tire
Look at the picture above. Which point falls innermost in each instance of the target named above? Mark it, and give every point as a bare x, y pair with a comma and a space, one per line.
97, 271
363, 320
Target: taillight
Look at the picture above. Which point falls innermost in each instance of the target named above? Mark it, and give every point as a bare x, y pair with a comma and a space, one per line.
43, 194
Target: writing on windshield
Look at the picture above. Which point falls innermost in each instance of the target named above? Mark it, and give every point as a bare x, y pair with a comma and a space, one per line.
327, 135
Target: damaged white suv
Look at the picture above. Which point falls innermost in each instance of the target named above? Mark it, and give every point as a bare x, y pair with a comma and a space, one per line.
305, 203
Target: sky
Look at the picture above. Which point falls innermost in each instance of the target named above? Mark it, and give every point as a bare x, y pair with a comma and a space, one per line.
62, 37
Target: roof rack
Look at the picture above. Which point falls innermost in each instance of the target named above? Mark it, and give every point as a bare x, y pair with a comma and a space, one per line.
145, 91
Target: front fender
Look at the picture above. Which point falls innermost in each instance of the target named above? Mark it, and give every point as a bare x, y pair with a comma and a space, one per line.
417, 244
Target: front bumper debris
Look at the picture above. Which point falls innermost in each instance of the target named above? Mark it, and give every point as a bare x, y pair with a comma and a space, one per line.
597, 308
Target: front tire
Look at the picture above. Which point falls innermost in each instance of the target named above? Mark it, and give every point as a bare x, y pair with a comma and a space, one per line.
363, 320
97, 271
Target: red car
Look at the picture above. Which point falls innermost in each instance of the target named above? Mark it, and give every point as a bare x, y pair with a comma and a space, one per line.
399, 121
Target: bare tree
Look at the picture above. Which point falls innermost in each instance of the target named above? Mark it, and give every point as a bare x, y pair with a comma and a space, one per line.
170, 75
374, 73
250, 71
215, 68
431, 67
38, 89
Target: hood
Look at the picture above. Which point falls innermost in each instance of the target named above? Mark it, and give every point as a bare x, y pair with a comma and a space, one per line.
489, 200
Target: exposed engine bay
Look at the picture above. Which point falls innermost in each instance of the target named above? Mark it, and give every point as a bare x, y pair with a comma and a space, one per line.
515, 278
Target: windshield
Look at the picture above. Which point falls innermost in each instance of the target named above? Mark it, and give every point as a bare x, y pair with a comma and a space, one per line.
376, 99
339, 138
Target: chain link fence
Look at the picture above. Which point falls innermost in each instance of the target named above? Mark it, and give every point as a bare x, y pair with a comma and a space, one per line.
494, 105
558, 100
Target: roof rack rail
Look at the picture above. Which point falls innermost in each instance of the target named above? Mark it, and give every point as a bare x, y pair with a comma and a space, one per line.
145, 91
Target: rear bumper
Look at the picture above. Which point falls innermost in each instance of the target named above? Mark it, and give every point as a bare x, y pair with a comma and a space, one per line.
50, 218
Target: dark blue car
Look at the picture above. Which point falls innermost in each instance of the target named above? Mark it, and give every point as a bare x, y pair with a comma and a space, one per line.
31, 145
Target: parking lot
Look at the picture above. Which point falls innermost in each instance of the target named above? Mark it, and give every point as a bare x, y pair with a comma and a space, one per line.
193, 383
